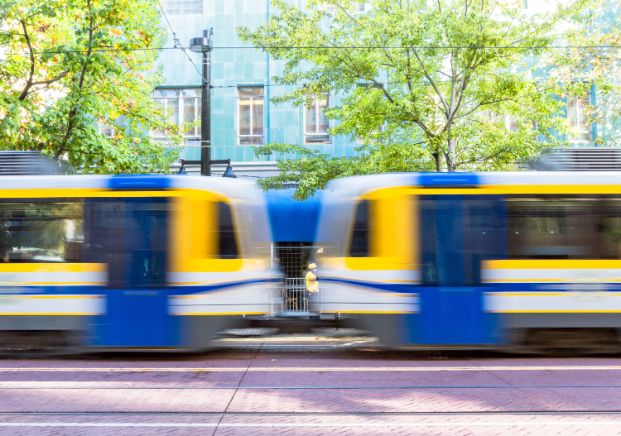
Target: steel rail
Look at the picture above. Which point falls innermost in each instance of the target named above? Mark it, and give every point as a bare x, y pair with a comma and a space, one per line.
327, 388
541, 412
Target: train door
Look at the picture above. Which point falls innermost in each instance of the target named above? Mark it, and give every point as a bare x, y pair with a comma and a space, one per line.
457, 232
130, 235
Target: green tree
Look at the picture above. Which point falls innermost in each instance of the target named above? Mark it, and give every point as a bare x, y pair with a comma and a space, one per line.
592, 63
69, 68
423, 85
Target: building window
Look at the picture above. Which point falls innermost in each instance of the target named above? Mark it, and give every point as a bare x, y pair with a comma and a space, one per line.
581, 132
511, 123
106, 129
316, 123
182, 108
183, 7
250, 115
356, 8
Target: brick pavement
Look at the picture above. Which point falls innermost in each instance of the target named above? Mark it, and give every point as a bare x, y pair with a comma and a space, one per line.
273, 392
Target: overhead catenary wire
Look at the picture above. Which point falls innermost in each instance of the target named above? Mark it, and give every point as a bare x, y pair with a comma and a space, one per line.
177, 43
178, 46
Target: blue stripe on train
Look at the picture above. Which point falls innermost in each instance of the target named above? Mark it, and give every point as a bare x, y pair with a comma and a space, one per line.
388, 287
139, 182
401, 288
98, 290
500, 287
447, 180
552, 287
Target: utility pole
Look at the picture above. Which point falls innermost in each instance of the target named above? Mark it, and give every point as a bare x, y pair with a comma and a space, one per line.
203, 45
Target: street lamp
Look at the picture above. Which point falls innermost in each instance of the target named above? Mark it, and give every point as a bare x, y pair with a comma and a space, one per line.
203, 45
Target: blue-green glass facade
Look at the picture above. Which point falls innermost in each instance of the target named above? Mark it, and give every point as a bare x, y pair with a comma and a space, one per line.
233, 66
230, 69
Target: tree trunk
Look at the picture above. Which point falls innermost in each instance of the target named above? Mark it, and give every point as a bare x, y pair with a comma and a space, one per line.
74, 110
450, 155
436, 158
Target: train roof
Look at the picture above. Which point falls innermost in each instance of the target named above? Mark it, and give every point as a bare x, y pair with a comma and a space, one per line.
359, 184
224, 185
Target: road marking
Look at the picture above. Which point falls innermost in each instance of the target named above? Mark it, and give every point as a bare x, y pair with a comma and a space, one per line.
512, 423
318, 369
136, 387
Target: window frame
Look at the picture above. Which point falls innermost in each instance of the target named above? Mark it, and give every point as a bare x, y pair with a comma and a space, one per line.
252, 99
581, 131
180, 100
106, 129
316, 109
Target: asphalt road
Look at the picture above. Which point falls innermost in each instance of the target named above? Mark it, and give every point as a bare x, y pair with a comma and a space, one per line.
311, 386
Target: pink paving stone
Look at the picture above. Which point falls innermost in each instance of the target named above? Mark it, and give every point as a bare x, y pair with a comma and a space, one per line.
356, 424
485, 372
427, 400
134, 378
145, 362
283, 361
114, 400
108, 431
370, 379
425, 424
384, 400
560, 377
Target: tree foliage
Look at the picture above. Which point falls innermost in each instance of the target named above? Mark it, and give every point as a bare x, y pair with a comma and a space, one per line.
434, 85
69, 68
593, 61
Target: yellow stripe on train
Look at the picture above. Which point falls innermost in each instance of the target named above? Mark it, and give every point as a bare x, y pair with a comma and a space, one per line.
552, 264
29, 267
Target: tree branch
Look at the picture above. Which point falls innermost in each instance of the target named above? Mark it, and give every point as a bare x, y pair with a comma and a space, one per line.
483, 103
28, 85
485, 158
52, 80
431, 82
361, 76
74, 110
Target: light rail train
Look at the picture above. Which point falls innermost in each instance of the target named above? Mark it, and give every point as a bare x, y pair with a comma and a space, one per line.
475, 260
101, 262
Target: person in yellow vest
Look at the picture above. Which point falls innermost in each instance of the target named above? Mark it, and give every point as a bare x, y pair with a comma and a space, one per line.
312, 285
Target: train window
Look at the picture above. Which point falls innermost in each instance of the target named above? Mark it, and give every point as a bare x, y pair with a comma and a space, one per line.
227, 240
359, 246
41, 231
130, 235
553, 227
607, 230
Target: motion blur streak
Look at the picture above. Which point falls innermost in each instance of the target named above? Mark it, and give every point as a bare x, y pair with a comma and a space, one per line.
510, 260
126, 262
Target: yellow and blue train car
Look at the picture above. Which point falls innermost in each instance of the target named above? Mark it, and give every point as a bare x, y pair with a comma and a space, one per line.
130, 261
475, 260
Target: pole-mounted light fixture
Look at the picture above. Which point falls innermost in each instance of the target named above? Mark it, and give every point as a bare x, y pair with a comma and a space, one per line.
203, 45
